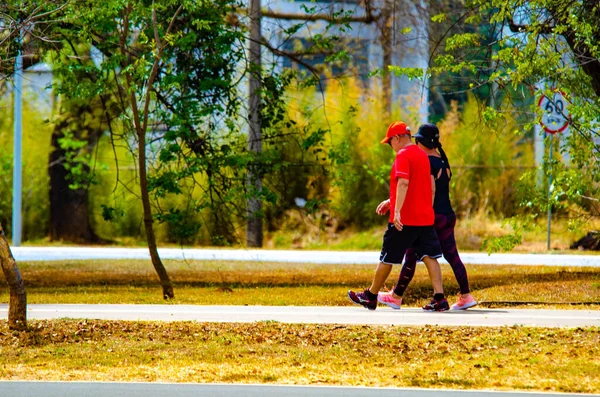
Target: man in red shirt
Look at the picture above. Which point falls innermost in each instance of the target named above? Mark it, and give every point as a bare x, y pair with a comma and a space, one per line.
410, 222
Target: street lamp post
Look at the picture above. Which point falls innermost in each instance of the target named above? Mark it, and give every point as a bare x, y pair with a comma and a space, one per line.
17, 151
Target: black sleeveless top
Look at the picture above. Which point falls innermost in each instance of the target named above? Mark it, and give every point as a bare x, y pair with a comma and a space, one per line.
441, 201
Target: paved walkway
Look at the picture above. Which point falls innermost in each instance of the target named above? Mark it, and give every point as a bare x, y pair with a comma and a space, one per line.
103, 389
317, 315
297, 256
322, 315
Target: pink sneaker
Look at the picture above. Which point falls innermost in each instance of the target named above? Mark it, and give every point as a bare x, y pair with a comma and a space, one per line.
464, 302
387, 298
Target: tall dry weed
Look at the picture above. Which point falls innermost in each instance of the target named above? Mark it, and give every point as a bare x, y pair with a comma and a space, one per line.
358, 165
487, 161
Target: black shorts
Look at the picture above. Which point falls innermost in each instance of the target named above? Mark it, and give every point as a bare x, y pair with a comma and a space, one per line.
422, 239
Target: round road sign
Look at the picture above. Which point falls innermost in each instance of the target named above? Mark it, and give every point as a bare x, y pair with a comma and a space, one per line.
555, 116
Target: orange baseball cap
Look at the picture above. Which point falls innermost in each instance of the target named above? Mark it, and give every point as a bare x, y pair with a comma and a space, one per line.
396, 128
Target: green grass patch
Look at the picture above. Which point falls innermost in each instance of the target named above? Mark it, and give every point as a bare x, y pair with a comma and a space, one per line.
252, 283
562, 360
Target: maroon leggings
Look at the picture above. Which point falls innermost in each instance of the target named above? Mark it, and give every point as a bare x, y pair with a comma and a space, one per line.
444, 227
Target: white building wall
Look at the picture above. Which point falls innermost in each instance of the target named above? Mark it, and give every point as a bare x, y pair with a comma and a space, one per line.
37, 88
409, 49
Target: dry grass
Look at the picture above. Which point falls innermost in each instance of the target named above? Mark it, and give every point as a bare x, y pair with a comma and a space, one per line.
563, 360
514, 358
471, 231
241, 283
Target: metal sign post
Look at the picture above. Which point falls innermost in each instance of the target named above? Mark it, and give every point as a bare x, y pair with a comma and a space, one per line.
549, 194
555, 119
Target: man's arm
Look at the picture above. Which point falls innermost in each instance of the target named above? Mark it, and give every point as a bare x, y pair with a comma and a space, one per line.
401, 190
383, 207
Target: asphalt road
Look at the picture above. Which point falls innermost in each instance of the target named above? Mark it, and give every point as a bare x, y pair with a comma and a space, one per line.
298, 256
316, 315
102, 389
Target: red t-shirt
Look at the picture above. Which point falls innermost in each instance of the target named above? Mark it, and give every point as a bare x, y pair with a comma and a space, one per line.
412, 164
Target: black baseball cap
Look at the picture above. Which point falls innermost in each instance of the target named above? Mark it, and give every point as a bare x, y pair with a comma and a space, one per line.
428, 135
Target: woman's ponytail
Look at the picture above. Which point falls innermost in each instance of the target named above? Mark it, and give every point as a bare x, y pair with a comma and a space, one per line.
443, 154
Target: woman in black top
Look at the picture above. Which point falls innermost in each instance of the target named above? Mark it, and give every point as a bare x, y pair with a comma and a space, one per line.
427, 138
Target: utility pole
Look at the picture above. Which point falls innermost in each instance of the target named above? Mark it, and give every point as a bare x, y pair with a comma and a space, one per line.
17, 150
254, 230
388, 24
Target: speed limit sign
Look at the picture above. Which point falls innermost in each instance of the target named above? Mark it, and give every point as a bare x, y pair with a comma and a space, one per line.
555, 115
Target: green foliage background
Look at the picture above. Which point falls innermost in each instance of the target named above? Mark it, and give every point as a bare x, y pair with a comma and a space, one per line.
324, 147
36, 149
344, 176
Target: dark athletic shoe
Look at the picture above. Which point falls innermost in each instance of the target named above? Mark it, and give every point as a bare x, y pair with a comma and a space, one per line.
360, 298
437, 306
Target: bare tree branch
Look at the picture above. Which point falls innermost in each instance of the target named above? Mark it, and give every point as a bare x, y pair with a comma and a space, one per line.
159, 51
368, 18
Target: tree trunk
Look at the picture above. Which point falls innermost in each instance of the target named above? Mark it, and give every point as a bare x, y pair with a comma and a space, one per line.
254, 231
17, 306
69, 209
583, 46
140, 124
163, 276
386, 46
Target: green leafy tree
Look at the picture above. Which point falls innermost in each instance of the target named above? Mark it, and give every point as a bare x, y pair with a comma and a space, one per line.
172, 68
78, 122
515, 51
176, 71
173, 65
16, 19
